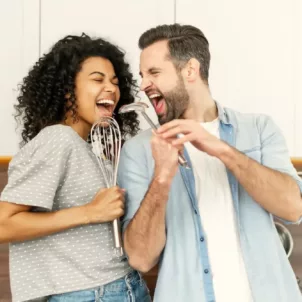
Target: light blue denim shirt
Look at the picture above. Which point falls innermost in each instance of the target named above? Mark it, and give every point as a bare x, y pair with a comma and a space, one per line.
185, 272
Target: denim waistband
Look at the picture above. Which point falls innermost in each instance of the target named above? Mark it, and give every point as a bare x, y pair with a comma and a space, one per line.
131, 279
127, 285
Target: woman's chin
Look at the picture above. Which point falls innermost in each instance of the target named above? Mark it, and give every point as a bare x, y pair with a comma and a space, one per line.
103, 115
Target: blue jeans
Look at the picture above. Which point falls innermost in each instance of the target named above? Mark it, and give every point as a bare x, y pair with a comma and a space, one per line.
131, 288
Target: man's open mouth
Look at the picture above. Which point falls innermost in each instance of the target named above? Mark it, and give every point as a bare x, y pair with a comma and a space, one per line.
158, 102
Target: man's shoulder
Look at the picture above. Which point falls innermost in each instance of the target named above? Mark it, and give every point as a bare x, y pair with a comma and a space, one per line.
140, 140
242, 118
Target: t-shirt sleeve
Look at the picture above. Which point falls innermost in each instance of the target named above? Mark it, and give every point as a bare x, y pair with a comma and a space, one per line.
35, 173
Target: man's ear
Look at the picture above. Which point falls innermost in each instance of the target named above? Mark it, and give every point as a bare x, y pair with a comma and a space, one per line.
191, 70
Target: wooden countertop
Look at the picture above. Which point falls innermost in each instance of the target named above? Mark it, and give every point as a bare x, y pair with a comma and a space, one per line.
297, 162
4, 160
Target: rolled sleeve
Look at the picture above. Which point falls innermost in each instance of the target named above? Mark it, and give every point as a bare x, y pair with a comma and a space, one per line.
274, 153
133, 177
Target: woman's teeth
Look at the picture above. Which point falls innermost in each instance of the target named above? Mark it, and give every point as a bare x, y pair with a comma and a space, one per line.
105, 102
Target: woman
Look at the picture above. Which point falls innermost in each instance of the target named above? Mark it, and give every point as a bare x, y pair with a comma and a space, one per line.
55, 210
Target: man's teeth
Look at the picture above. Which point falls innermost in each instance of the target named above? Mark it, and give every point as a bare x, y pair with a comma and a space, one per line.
156, 95
107, 102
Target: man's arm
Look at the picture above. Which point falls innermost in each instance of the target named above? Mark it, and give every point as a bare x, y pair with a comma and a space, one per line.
145, 208
274, 183
145, 236
276, 192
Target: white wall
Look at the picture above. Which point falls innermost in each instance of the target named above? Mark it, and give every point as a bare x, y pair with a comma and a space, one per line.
297, 85
19, 28
121, 22
256, 48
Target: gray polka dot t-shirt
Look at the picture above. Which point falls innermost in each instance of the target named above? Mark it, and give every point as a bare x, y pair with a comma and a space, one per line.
57, 170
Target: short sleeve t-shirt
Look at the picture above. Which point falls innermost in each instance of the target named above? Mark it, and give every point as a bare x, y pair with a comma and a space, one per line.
58, 170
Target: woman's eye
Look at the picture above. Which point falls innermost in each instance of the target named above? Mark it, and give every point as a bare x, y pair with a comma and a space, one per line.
98, 80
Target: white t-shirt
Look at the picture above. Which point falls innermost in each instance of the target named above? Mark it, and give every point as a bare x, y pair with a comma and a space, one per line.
219, 223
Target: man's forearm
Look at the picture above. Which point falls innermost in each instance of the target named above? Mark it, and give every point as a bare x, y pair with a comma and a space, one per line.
30, 225
276, 192
145, 236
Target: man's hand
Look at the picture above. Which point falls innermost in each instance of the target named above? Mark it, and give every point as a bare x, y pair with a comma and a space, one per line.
276, 192
166, 158
194, 133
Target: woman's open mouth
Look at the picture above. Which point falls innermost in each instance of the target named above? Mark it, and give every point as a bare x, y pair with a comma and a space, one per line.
105, 107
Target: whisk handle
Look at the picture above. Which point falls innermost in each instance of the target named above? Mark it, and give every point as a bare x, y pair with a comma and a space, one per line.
117, 237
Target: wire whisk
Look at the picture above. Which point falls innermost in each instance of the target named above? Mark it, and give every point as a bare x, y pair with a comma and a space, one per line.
106, 145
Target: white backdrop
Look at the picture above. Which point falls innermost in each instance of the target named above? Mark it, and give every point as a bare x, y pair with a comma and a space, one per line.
255, 57
256, 49
19, 29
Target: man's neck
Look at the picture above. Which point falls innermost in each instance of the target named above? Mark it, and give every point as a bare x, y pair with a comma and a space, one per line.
202, 108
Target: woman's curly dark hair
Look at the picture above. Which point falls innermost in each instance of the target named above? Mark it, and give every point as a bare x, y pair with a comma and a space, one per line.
42, 100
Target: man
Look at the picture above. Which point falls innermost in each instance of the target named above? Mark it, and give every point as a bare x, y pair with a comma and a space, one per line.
209, 227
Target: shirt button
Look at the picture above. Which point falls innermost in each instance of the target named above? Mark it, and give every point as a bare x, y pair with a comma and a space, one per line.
201, 239
206, 271
195, 211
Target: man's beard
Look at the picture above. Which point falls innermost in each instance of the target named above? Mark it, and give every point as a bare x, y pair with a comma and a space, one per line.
177, 102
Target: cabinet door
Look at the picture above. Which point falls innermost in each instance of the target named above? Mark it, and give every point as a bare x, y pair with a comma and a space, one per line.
19, 27
122, 22
254, 55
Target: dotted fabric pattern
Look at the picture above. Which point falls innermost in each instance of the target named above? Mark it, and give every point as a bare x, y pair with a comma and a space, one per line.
57, 170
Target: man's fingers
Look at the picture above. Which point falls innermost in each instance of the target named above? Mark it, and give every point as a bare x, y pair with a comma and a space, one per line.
170, 125
175, 131
182, 140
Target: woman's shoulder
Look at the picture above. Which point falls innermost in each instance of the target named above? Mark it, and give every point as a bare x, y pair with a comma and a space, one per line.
54, 136
57, 131
51, 142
